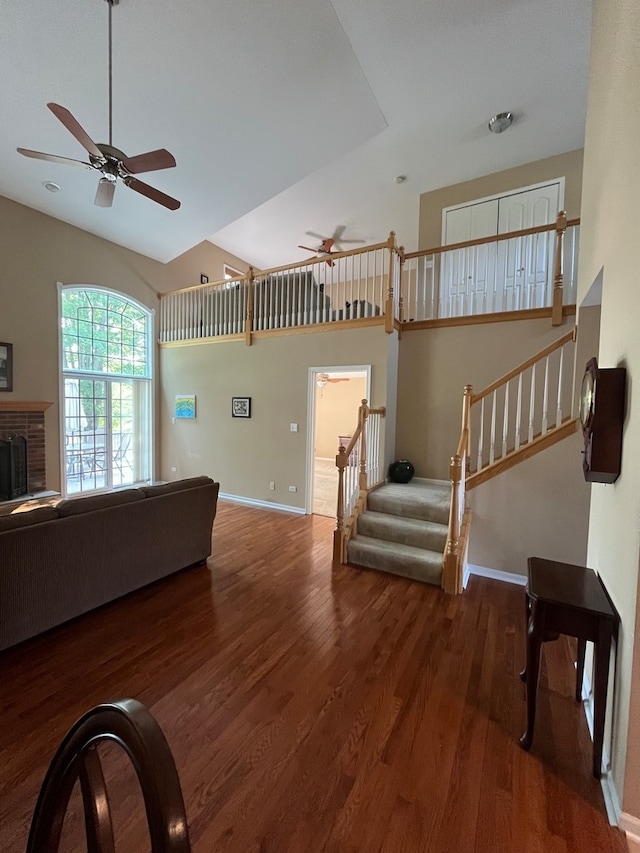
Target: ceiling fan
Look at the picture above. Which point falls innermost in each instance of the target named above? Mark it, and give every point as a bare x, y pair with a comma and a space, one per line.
329, 244
108, 160
323, 379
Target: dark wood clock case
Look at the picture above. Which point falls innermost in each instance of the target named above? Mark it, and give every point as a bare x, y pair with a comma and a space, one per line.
602, 428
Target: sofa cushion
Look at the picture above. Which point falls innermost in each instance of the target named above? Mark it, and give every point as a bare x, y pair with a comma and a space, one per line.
24, 519
77, 506
176, 486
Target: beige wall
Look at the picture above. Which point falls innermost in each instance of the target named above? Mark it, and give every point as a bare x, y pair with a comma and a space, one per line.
538, 508
337, 407
36, 251
567, 165
609, 245
245, 455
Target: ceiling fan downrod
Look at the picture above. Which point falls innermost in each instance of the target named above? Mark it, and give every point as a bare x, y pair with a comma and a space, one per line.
111, 4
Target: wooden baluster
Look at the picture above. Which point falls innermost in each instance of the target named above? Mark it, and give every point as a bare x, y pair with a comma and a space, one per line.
248, 321
400, 293
545, 397
518, 413
532, 402
492, 438
362, 420
389, 307
481, 435
505, 420
559, 398
558, 277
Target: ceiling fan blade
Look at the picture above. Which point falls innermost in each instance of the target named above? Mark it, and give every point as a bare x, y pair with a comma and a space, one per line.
343, 379
349, 241
152, 193
104, 193
74, 128
53, 158
313, 234
308, 249
337, 234
152, 161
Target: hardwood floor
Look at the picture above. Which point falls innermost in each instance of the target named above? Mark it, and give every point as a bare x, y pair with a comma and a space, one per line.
311, 709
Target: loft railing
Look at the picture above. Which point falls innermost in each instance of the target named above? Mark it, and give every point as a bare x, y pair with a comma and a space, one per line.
343, 286
518, 415
360, 469
532, 268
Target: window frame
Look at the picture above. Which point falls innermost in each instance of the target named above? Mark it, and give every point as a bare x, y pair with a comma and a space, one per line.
148, 379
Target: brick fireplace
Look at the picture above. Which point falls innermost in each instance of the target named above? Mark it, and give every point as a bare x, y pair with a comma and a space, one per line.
27, 419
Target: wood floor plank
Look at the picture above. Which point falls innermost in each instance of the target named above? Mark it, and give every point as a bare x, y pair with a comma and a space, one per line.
312, 708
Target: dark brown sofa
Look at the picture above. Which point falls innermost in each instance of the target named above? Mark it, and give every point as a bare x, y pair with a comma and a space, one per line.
58, 562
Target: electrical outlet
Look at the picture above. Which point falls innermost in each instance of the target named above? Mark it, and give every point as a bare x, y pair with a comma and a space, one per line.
293, 488
272, 486
173, 469
293, 427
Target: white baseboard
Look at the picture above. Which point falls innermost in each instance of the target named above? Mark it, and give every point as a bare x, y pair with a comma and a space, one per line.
609, 791
494, 574
238, 499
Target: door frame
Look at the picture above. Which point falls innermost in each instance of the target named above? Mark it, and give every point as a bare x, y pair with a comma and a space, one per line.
472, 202
311, 417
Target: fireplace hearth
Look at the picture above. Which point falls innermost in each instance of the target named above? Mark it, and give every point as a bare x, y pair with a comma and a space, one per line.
13, 468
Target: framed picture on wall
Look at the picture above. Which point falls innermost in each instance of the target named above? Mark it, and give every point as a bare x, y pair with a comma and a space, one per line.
241, 407
6, 367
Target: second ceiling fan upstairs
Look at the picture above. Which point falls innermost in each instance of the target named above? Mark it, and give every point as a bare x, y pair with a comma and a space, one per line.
108, 160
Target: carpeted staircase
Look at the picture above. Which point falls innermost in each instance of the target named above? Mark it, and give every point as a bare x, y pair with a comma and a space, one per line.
404, 530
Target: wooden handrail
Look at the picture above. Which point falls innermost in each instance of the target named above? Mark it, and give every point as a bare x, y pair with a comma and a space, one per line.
452, 562
495, 238
569, 336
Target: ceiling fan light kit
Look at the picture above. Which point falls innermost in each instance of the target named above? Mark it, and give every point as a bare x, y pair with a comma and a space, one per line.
111, 162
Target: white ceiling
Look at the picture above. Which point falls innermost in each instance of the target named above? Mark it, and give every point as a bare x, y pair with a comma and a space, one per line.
285, 116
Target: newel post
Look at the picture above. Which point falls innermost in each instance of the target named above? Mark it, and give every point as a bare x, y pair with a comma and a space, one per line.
338, 533
388, 308
558, 270
248, 320
451, 562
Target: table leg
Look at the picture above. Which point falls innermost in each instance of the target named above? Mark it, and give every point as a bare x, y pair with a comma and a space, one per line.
582, 648
602, 650
535, 635
527, 617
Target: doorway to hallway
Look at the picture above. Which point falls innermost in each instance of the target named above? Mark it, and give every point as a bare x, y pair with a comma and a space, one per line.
335, 394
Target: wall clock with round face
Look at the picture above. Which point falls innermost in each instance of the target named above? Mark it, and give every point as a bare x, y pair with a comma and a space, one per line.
601, 416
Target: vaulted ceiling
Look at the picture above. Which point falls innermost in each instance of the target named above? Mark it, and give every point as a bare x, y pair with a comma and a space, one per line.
284, 116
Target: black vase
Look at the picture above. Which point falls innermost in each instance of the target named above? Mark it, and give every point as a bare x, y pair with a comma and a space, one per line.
401, 471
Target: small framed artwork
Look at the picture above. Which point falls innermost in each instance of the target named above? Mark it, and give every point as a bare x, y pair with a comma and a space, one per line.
185, 406
6, 367
241, 407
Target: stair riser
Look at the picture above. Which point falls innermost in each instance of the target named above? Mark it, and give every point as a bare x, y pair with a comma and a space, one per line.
404, 534
400, 565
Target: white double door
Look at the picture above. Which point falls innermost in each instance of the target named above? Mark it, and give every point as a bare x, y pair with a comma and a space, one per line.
508, 275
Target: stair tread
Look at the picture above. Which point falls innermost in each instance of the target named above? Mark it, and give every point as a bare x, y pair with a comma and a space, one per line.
420, 498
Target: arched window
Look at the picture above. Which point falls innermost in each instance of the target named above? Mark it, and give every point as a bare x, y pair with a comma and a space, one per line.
107, 379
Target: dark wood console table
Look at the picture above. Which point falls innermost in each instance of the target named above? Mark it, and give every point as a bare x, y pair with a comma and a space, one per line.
566, 599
